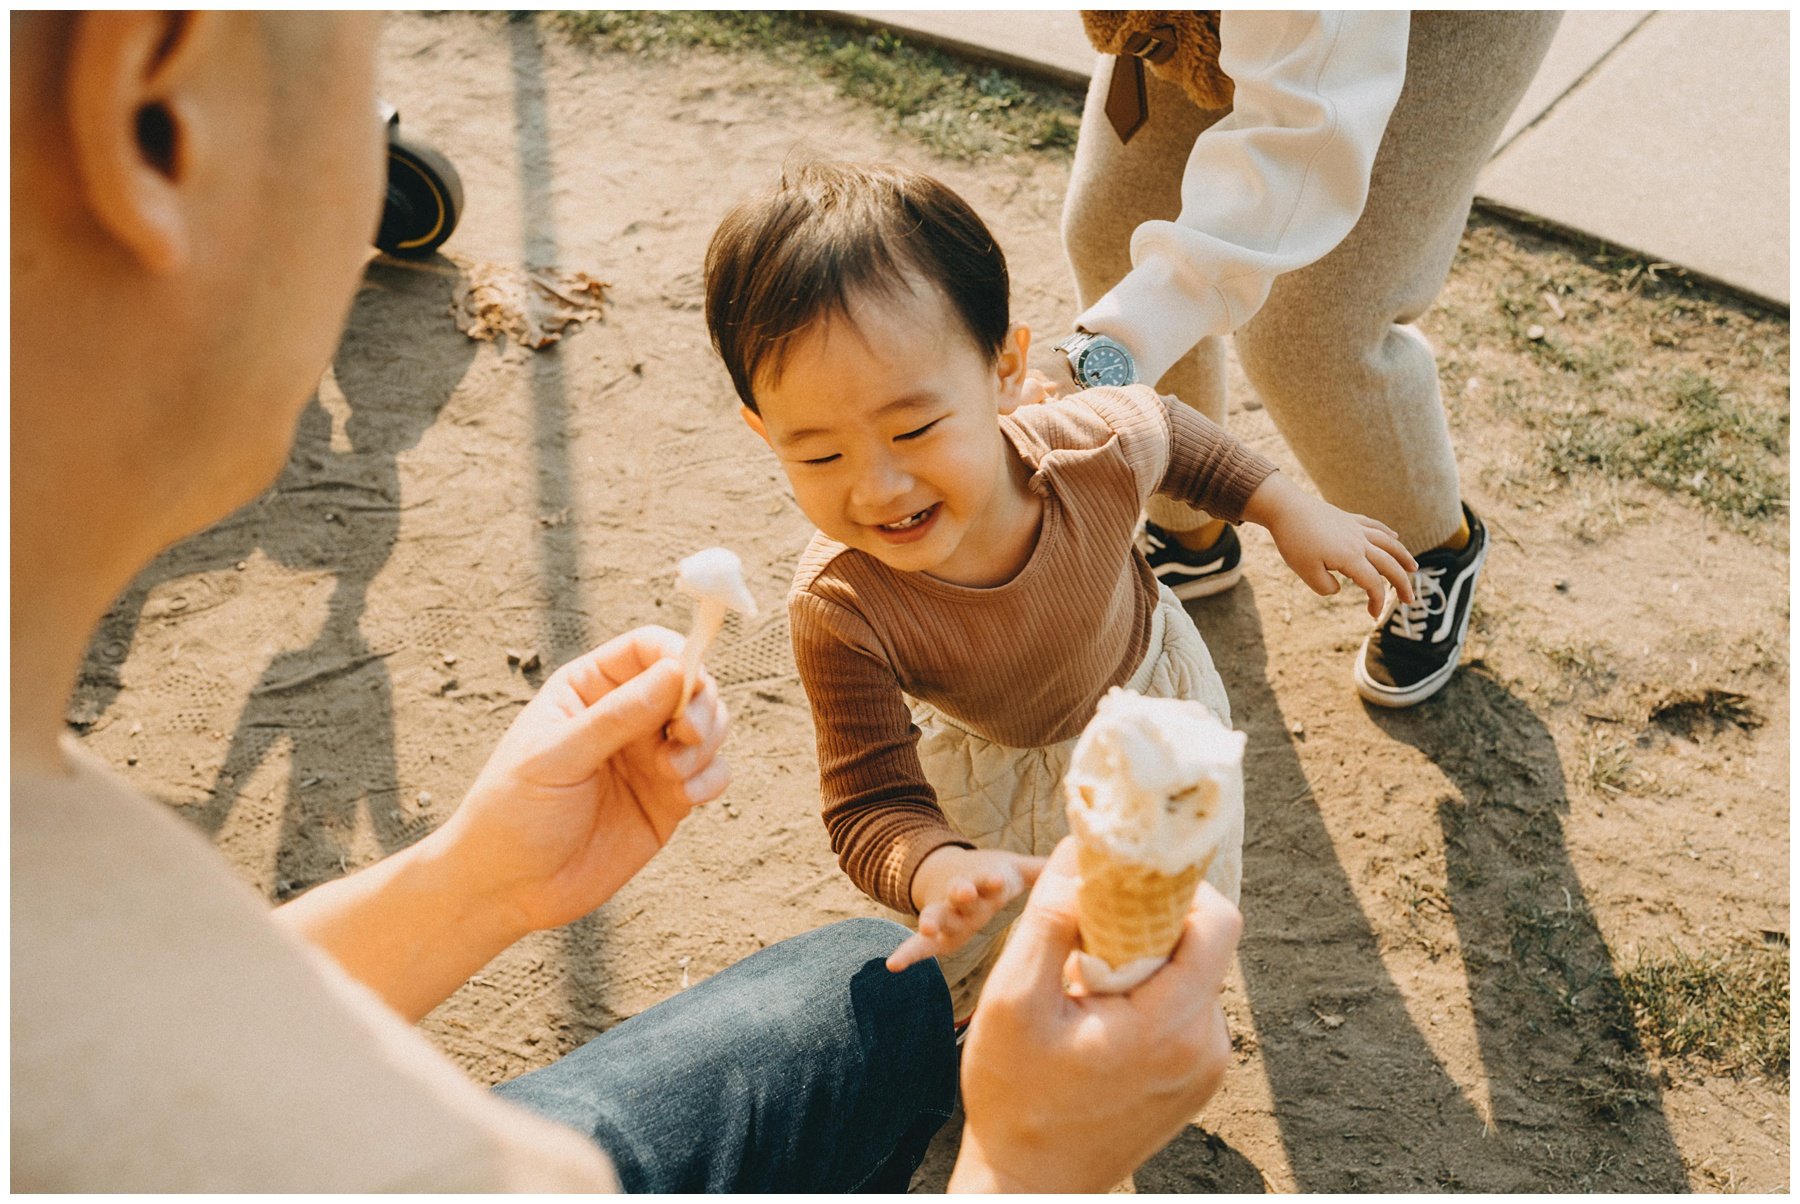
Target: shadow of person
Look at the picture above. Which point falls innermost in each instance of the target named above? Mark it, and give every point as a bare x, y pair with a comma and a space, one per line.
338, 512
1198, 1161
587, 978
1557, 1039
1362, 1102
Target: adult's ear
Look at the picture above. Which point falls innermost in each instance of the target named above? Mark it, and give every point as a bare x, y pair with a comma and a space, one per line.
132, 125
1010, 366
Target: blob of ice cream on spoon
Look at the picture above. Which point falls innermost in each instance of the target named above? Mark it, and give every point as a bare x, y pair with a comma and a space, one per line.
715, 580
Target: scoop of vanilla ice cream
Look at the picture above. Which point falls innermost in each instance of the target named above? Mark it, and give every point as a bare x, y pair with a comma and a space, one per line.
716, 573
1159, 781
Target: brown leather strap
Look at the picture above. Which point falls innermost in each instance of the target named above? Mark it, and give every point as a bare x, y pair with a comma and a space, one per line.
1127, 103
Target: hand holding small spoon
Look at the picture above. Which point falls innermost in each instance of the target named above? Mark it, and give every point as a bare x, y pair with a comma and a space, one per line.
715, 579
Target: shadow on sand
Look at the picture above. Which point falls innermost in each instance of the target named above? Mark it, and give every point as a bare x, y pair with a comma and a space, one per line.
1373, 1108
333, 512
1574, 1107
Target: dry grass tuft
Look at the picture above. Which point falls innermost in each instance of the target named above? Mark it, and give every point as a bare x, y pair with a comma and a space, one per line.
1726, 1008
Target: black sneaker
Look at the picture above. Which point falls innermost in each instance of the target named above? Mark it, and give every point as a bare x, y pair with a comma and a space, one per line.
1194, 574
1414, 649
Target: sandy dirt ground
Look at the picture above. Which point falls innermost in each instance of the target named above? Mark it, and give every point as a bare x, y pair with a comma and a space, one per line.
1439, 903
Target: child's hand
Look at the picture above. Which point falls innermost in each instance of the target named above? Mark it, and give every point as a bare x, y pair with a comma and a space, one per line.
957, 890
1317, 539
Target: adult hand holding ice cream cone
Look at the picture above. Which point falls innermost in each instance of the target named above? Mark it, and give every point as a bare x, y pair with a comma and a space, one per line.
1156, 803
1071, 1093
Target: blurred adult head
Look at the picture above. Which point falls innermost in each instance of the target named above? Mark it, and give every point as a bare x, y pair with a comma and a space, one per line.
193, 198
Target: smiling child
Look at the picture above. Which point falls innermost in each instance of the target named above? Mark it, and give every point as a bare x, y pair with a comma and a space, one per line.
974, 587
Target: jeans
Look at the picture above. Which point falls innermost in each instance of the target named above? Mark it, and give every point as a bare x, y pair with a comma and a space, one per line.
806, 1067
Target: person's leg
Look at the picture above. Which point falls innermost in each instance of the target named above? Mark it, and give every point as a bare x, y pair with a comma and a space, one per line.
1114, 188
1351, 385
806, 1067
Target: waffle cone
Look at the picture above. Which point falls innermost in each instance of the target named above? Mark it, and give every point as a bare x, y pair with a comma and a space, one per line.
1130, 910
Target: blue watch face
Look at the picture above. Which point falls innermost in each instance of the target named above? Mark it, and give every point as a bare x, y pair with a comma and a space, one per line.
1103, 365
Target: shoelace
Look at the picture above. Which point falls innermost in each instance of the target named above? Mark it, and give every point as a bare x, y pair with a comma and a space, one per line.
1429, 600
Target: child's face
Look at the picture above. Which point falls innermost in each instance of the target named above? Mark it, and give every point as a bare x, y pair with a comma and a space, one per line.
887, 424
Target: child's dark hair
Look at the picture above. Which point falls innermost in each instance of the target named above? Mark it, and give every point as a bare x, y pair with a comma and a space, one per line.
829, 231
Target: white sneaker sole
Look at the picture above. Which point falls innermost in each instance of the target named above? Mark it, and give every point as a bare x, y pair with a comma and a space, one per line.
1387, 696
1206, 587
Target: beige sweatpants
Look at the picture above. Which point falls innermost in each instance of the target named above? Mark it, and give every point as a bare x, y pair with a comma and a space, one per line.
1011, 798
1349, 382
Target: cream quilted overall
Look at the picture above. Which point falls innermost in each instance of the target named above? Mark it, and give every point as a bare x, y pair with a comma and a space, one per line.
1011, 798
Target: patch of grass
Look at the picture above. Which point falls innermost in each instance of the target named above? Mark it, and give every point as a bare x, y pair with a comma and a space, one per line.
1615, 379
1615, 1088
665, 34
1608, 763
1595, 508
1582, 659
1727, 1008
958, 109
1558, 953
1553, 949
1694, 438
1591, 357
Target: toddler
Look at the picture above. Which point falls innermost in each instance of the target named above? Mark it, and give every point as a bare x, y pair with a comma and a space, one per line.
974, 586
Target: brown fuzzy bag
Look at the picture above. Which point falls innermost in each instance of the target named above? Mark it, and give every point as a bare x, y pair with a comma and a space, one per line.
1181, 46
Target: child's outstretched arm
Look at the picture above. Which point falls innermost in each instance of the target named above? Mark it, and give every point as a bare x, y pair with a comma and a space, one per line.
1212, 471
958, 890
1317, 539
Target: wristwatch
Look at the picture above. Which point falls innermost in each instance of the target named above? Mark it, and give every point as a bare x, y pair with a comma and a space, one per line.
1095, 359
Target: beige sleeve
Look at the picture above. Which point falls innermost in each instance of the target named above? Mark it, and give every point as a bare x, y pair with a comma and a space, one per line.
1271, 187
168, 1036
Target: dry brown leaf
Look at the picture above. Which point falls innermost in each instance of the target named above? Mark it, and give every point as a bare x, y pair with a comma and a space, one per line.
534, 307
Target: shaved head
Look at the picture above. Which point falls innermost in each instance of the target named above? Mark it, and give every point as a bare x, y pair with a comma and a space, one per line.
194, 196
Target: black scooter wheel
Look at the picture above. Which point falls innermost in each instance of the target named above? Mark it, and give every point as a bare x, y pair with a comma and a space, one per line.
424, 200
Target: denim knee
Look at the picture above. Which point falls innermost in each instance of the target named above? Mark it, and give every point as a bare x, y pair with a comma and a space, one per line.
807, 1066
865, 940
904, 1021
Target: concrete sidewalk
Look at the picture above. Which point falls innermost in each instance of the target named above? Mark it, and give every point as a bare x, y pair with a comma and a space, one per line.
1663, 133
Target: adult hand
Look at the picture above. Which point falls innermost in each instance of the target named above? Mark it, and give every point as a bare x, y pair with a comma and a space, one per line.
1071, 1094
587, 784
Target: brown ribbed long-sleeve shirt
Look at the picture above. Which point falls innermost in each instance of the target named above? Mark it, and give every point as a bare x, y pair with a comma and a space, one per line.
1024, 663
